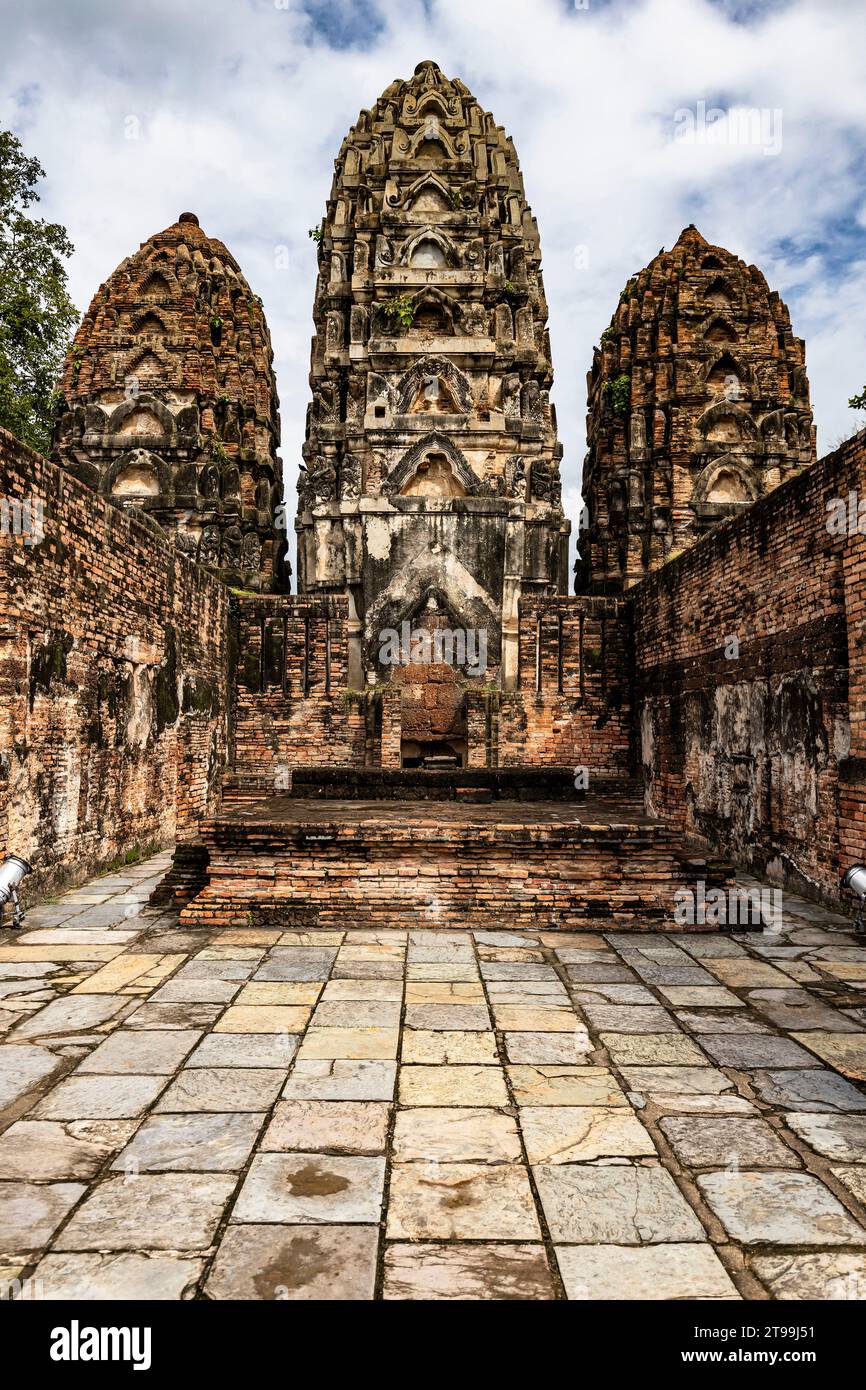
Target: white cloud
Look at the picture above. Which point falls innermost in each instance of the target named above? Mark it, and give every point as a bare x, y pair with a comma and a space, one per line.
242, 105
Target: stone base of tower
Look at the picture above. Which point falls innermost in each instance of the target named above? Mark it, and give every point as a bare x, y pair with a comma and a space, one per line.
289, 862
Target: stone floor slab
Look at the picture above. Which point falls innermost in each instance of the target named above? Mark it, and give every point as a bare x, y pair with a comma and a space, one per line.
549, 1084
245, 1050
31, 1212
463, 1271
839, 1137
448, 1017
165, 1211
263, 1018
289, 1263
341, 1079
311, 1188
179, 1015
779, 1208
357, 1013
601, 1272
760, 1050
461, 1201
525, 1019
75, 1013
545, 1048
328, 1126
99, 1098
357, 1044
621, 1205
579, 1134
833, 1275
141, 1052
220, 1089
455, 1046
45, 1150
337, 991
457, 1085
23, 1066
186, 991
652, 1049
210, 1143
720, 1142
844, 1051
459, 1135
150, 1277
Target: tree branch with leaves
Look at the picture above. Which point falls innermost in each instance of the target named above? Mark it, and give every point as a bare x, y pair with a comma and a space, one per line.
36, 314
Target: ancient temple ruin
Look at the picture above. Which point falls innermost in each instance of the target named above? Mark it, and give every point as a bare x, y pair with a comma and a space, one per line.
169, 404
430, 493
337, 757
698, 404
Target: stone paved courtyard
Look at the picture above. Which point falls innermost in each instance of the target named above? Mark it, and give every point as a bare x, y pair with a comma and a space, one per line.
260, 1114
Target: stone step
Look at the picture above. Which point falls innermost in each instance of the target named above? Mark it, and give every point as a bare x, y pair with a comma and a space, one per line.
286, 862
430, 784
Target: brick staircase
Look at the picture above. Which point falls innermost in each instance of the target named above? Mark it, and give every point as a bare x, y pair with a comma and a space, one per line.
307, 862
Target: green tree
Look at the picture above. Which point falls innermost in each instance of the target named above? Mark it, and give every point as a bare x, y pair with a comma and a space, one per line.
36, 314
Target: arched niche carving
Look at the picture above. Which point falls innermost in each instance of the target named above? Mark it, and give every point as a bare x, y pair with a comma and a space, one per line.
428, 249
720, 293
447, 458
156, 286
138, 473
429, 194
146, 365
725, 422
726, 375
141, 416
149, 325
720, 330
726, 480
454, 385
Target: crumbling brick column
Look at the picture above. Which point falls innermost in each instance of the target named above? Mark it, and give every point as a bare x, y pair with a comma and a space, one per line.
392, 727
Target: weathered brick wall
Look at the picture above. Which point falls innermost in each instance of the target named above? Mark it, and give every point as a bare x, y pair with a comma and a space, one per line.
572, 704
743, 650
292, 704
113, 650
852, 771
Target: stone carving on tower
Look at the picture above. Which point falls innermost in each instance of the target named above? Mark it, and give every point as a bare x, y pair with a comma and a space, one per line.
698, 404
431, 463
169, 404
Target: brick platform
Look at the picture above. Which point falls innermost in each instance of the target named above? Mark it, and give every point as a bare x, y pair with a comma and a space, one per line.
287, 861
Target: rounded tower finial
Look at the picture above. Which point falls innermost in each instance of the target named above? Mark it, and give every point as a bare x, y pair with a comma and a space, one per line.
169, 403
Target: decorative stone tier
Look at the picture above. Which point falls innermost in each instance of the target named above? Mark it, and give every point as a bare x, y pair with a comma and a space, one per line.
301, 863
447, 784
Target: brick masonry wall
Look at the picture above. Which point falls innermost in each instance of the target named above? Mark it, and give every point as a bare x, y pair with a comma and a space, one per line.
440, 868
760, 752
572, 704
292, 705
113, 672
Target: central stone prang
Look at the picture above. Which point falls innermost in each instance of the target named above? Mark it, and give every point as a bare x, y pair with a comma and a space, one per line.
430, 492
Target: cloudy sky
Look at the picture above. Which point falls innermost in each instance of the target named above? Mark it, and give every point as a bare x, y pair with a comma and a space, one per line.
239, 107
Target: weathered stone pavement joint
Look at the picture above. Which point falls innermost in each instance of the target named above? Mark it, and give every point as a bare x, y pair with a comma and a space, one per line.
413, 1114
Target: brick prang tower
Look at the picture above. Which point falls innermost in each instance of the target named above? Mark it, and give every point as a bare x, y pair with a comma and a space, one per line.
430, 491
698, 404
169, 404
